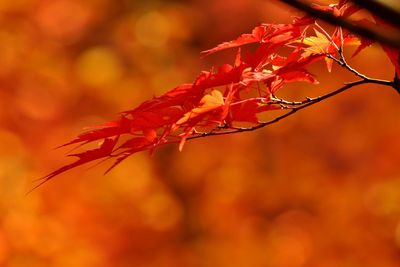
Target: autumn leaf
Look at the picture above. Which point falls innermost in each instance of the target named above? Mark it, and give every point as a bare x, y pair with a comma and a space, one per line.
393, 55
274, 35
255, 36
247, 110
342, 9
224, 95
324, 44
103, 151
208, 103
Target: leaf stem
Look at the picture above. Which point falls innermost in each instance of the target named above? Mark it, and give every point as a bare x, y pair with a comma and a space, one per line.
298, 105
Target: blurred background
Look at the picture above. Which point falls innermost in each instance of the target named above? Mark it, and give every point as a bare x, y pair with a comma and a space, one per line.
321, 188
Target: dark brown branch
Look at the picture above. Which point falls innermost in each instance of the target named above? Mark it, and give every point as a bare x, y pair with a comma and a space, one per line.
295, 106
342, 62
393, 41
396, 80
301, 105
387, 14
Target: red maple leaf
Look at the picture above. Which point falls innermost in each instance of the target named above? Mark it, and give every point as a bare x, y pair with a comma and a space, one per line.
220, 97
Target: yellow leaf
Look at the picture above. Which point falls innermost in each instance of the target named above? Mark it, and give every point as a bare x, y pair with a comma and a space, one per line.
207, 103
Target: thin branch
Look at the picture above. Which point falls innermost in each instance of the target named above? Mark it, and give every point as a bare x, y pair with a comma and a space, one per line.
343, 63
393, 41
295, 106
277, 100
300, 105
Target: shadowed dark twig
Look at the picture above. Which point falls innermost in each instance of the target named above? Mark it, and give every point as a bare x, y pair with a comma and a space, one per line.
392, 40
299, 105
386, 13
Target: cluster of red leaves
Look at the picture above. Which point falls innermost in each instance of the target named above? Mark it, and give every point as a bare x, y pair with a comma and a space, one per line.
224, 96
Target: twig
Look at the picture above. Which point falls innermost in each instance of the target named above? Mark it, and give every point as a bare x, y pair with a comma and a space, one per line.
301, 105
342, 62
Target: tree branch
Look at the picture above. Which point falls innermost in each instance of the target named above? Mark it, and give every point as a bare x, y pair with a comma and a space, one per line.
389, 15
299, 105
342, 62
295, 106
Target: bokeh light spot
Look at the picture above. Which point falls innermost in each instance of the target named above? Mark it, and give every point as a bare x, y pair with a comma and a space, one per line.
397, 235
98, 66
161, 212
38, 102
63, 20
383, 199
9, 46
289, 243
152, 29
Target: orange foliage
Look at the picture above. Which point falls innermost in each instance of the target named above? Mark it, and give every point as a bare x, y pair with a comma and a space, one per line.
319, 189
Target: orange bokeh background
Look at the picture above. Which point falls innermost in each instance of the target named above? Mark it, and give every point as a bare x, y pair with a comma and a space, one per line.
321, 188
